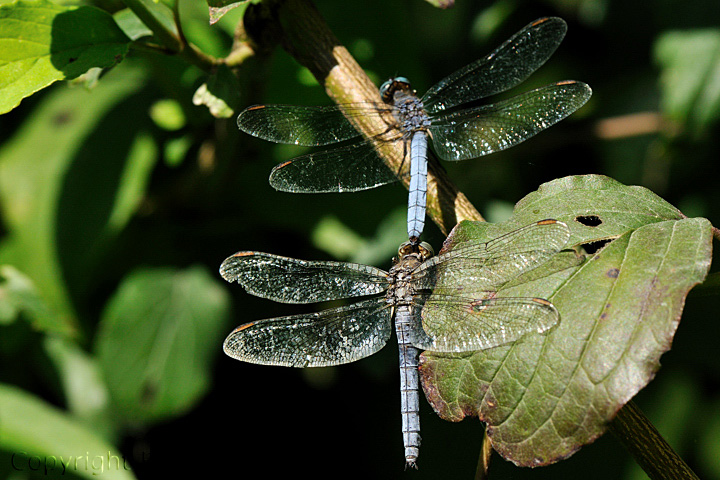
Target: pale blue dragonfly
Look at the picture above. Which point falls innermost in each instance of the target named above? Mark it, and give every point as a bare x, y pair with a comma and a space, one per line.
446, 303
457, 135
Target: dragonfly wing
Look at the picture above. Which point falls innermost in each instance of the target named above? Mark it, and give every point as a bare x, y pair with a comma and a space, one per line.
457, 324
509, 65
476, 267
289, 280
330, 337
479, 131
305, 125
348, 169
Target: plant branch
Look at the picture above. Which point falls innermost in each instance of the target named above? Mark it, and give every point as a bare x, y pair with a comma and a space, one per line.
647, 446
306, 36
165, 26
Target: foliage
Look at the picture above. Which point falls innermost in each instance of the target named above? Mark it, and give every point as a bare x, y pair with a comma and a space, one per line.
124, 183
547, 395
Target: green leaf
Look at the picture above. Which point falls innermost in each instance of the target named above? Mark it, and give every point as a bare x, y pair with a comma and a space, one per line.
18, 294
41, 43
690, 78
52, 441
63, 196
86, 395
545, 396
157, 339
131, 24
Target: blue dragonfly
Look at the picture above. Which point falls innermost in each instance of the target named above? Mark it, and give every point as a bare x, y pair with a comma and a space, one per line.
456, 135
451, 302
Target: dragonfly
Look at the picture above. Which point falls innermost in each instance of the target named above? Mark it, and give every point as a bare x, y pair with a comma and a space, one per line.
444, 303
455, 134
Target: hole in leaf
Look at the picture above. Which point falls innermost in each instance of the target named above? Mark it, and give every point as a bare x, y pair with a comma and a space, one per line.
594, 247
589, 220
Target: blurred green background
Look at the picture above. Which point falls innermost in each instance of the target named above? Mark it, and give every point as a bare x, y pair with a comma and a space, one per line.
120, 202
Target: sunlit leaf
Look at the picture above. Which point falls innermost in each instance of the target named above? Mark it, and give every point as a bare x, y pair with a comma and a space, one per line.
42, 42
547, 395
131, 25
690, 78
158, 337
54, 442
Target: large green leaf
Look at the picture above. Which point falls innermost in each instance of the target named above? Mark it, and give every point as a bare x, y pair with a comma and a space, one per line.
545, 396
43, 439
42, 42
157, 339
64, 195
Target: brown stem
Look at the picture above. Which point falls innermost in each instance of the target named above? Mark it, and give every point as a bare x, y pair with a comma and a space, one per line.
306, 36
647, 446
482, 472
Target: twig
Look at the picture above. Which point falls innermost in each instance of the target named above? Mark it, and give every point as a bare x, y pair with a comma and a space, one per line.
165, 26
647, 446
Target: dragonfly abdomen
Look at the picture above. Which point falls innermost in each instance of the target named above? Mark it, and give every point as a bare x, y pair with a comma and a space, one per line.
417, 197
409, 396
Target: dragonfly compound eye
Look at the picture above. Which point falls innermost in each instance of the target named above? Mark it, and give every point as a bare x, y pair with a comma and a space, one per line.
426, 250
387, 89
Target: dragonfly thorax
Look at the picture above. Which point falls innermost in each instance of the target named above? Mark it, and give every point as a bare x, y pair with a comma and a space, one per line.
409, 110
401, 290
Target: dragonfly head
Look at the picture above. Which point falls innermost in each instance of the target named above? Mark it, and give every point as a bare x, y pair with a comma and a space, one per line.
423, 250
388, 89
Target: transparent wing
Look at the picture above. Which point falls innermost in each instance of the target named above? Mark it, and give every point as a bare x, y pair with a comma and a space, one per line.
331, 337
479, 131
305, 125
289, 280
480, 267
509, 65
458, 324
347, 169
